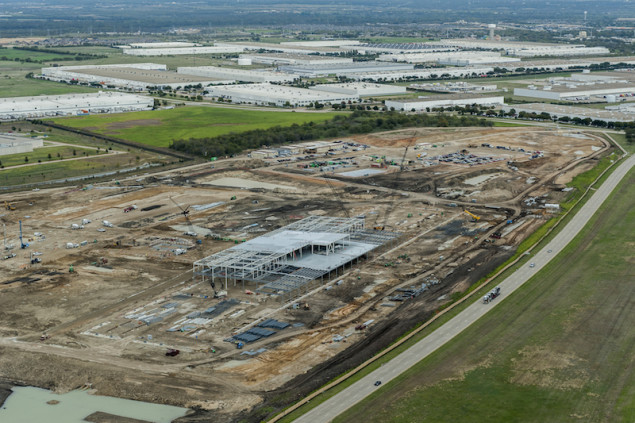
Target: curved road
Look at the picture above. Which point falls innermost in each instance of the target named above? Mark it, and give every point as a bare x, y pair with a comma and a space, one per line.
355, 393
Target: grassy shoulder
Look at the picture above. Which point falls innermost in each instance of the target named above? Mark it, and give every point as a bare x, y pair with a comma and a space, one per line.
554, 351
161, 127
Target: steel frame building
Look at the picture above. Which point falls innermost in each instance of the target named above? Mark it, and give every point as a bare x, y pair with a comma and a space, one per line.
287, 260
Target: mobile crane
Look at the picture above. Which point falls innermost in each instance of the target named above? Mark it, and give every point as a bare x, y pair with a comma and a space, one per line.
475, 218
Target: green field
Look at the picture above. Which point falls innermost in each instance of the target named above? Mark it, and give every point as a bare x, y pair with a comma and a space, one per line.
559, 350
42, 154
14, 84
12, 54
160, 127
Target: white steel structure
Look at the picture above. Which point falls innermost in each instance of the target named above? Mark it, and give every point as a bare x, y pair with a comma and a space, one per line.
72, 104
287, 260
246, 75
276, 95
361, 89
447, 101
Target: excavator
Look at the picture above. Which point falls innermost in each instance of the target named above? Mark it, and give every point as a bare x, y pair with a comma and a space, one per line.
475, 218
9, 206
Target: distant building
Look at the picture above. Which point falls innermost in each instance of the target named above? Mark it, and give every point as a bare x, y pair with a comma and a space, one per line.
72, 104
276, 95
361, 89
12, 144
443, 101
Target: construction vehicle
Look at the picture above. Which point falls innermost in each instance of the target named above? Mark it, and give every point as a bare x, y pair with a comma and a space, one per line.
475, 218
240, 345
22, 244
9, 206
379, 228
107, 224
171, 352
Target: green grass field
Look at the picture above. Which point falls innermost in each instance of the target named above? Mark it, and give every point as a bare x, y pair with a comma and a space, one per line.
65, 152
160, 127
558, 350
12, 54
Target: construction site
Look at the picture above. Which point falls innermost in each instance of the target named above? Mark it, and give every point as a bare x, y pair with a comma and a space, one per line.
220, 285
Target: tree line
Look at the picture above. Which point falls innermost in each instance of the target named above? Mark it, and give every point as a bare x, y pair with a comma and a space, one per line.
358, 122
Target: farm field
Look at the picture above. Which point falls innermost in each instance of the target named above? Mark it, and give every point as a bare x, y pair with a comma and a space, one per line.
161, 127
558, 350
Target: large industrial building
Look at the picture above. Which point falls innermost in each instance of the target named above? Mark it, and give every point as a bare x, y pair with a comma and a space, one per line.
276, 95
137, 77
424, 103
183, 50
361, 89
524, 49
432, 73
12, 144
286, 261
397, 48
171, 44
72, 104
244, 75
321, 43
619, 114
281, 48
583, 86
452, 58
313, 71
293, 59
453, 87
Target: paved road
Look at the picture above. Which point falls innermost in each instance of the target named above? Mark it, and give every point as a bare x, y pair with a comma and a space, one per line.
355, 393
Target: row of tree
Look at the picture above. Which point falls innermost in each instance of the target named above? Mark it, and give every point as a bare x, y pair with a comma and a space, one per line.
358, 122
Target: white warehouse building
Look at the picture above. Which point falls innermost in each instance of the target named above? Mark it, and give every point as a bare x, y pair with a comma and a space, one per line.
136, 77
293, 59
454, 58
246, 75
71, 104
183, 50
276, 95
443, 101
361, 89
12, 144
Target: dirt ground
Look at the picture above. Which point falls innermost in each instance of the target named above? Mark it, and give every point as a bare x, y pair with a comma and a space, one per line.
130, 295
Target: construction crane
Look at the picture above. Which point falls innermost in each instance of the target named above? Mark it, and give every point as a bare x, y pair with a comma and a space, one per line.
411, 140
475, 218
184, 211
22, 244
336, 196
